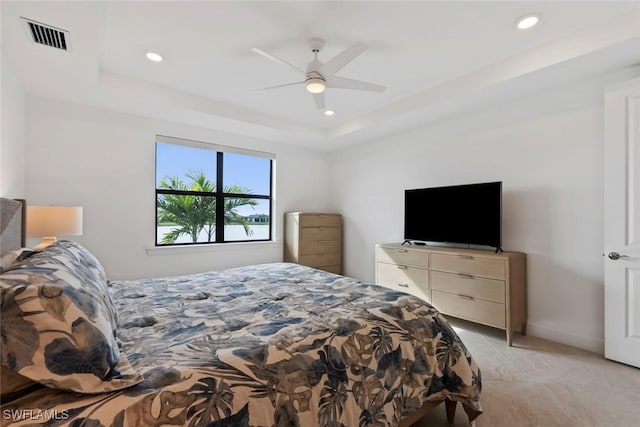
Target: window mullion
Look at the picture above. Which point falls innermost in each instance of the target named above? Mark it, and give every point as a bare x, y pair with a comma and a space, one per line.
184, 192
246, 196
219, 198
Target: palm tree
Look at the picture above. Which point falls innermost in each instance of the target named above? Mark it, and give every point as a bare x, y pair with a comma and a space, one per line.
194, 213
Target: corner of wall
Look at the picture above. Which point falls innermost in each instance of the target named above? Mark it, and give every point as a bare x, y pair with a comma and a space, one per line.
13, 133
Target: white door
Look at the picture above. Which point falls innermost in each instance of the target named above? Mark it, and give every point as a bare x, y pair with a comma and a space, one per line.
622, 223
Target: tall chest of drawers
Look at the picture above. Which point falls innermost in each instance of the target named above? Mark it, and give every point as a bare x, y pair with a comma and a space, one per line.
480, 286
314, 240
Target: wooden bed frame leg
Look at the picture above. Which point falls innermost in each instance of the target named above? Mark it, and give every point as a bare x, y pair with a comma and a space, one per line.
450, 406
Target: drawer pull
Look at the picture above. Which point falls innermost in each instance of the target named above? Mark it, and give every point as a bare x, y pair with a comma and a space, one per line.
465, 256
322, 241
402, 267
402, 251
466, 276
404, 285
470, 298
322, 228
322, 216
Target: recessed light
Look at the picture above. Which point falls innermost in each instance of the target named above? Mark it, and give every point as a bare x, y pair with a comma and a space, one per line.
527, 21
329, 112
153, 56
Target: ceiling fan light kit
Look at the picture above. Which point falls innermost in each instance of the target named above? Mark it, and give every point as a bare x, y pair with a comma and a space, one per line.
320, 76
315, 85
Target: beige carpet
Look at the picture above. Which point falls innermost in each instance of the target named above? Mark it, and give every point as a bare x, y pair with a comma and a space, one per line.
541, 383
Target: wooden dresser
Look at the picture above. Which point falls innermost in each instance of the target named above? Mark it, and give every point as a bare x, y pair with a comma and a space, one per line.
480, 286
314, 240
404, 269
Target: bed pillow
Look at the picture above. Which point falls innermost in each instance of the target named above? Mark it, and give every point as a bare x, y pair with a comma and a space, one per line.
8, 258
82, 265
59, 322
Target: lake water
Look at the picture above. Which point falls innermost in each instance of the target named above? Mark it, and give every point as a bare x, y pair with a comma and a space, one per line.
231, 233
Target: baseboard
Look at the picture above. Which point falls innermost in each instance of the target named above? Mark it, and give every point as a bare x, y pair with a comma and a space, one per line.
586, 343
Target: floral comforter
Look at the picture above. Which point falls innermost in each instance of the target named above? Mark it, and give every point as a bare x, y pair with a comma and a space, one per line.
269, 345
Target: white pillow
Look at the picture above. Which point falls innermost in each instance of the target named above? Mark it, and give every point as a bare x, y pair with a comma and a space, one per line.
9, 257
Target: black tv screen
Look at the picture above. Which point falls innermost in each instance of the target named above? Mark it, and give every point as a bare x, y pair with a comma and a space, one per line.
467, 214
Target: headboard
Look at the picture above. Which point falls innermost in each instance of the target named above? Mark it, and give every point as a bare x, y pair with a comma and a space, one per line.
12, 224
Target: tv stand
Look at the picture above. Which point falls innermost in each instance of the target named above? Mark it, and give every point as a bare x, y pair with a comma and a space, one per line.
475, 285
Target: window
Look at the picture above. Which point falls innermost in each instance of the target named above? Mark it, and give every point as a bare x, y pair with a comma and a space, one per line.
208, 193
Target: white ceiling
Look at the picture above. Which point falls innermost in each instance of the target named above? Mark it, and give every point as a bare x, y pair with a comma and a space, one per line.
436, 59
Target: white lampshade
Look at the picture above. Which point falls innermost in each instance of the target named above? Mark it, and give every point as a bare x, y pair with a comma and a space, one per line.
52, 221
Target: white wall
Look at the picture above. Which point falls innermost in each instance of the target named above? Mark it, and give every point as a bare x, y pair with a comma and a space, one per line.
547, 151
105, 162
12, 134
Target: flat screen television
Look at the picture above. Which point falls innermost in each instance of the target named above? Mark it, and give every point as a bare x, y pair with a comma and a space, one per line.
464, 214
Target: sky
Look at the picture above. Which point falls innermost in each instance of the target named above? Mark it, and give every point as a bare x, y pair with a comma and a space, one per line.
247, 171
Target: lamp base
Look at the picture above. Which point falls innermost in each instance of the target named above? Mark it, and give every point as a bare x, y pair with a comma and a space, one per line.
46, 241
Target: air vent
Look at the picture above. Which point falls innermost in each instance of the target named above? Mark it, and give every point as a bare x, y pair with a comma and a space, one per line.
47, 35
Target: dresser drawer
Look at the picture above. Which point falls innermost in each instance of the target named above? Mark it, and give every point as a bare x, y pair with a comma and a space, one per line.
477, 310
409, 289
308, 247
321, 260
391, 273
473, 286
469, 264
407, 279
320, 233
335, 269
403, 256
320, 220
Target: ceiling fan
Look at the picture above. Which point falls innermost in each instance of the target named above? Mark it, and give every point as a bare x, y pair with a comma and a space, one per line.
319, 76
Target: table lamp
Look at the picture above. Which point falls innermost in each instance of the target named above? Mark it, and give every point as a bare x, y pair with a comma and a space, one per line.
49, 222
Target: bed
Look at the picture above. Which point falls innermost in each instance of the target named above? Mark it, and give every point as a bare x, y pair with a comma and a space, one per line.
264, 345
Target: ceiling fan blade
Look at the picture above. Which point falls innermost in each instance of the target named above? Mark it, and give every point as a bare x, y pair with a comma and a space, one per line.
345, 83
277, 86
319, 98
343, 58
278, 59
